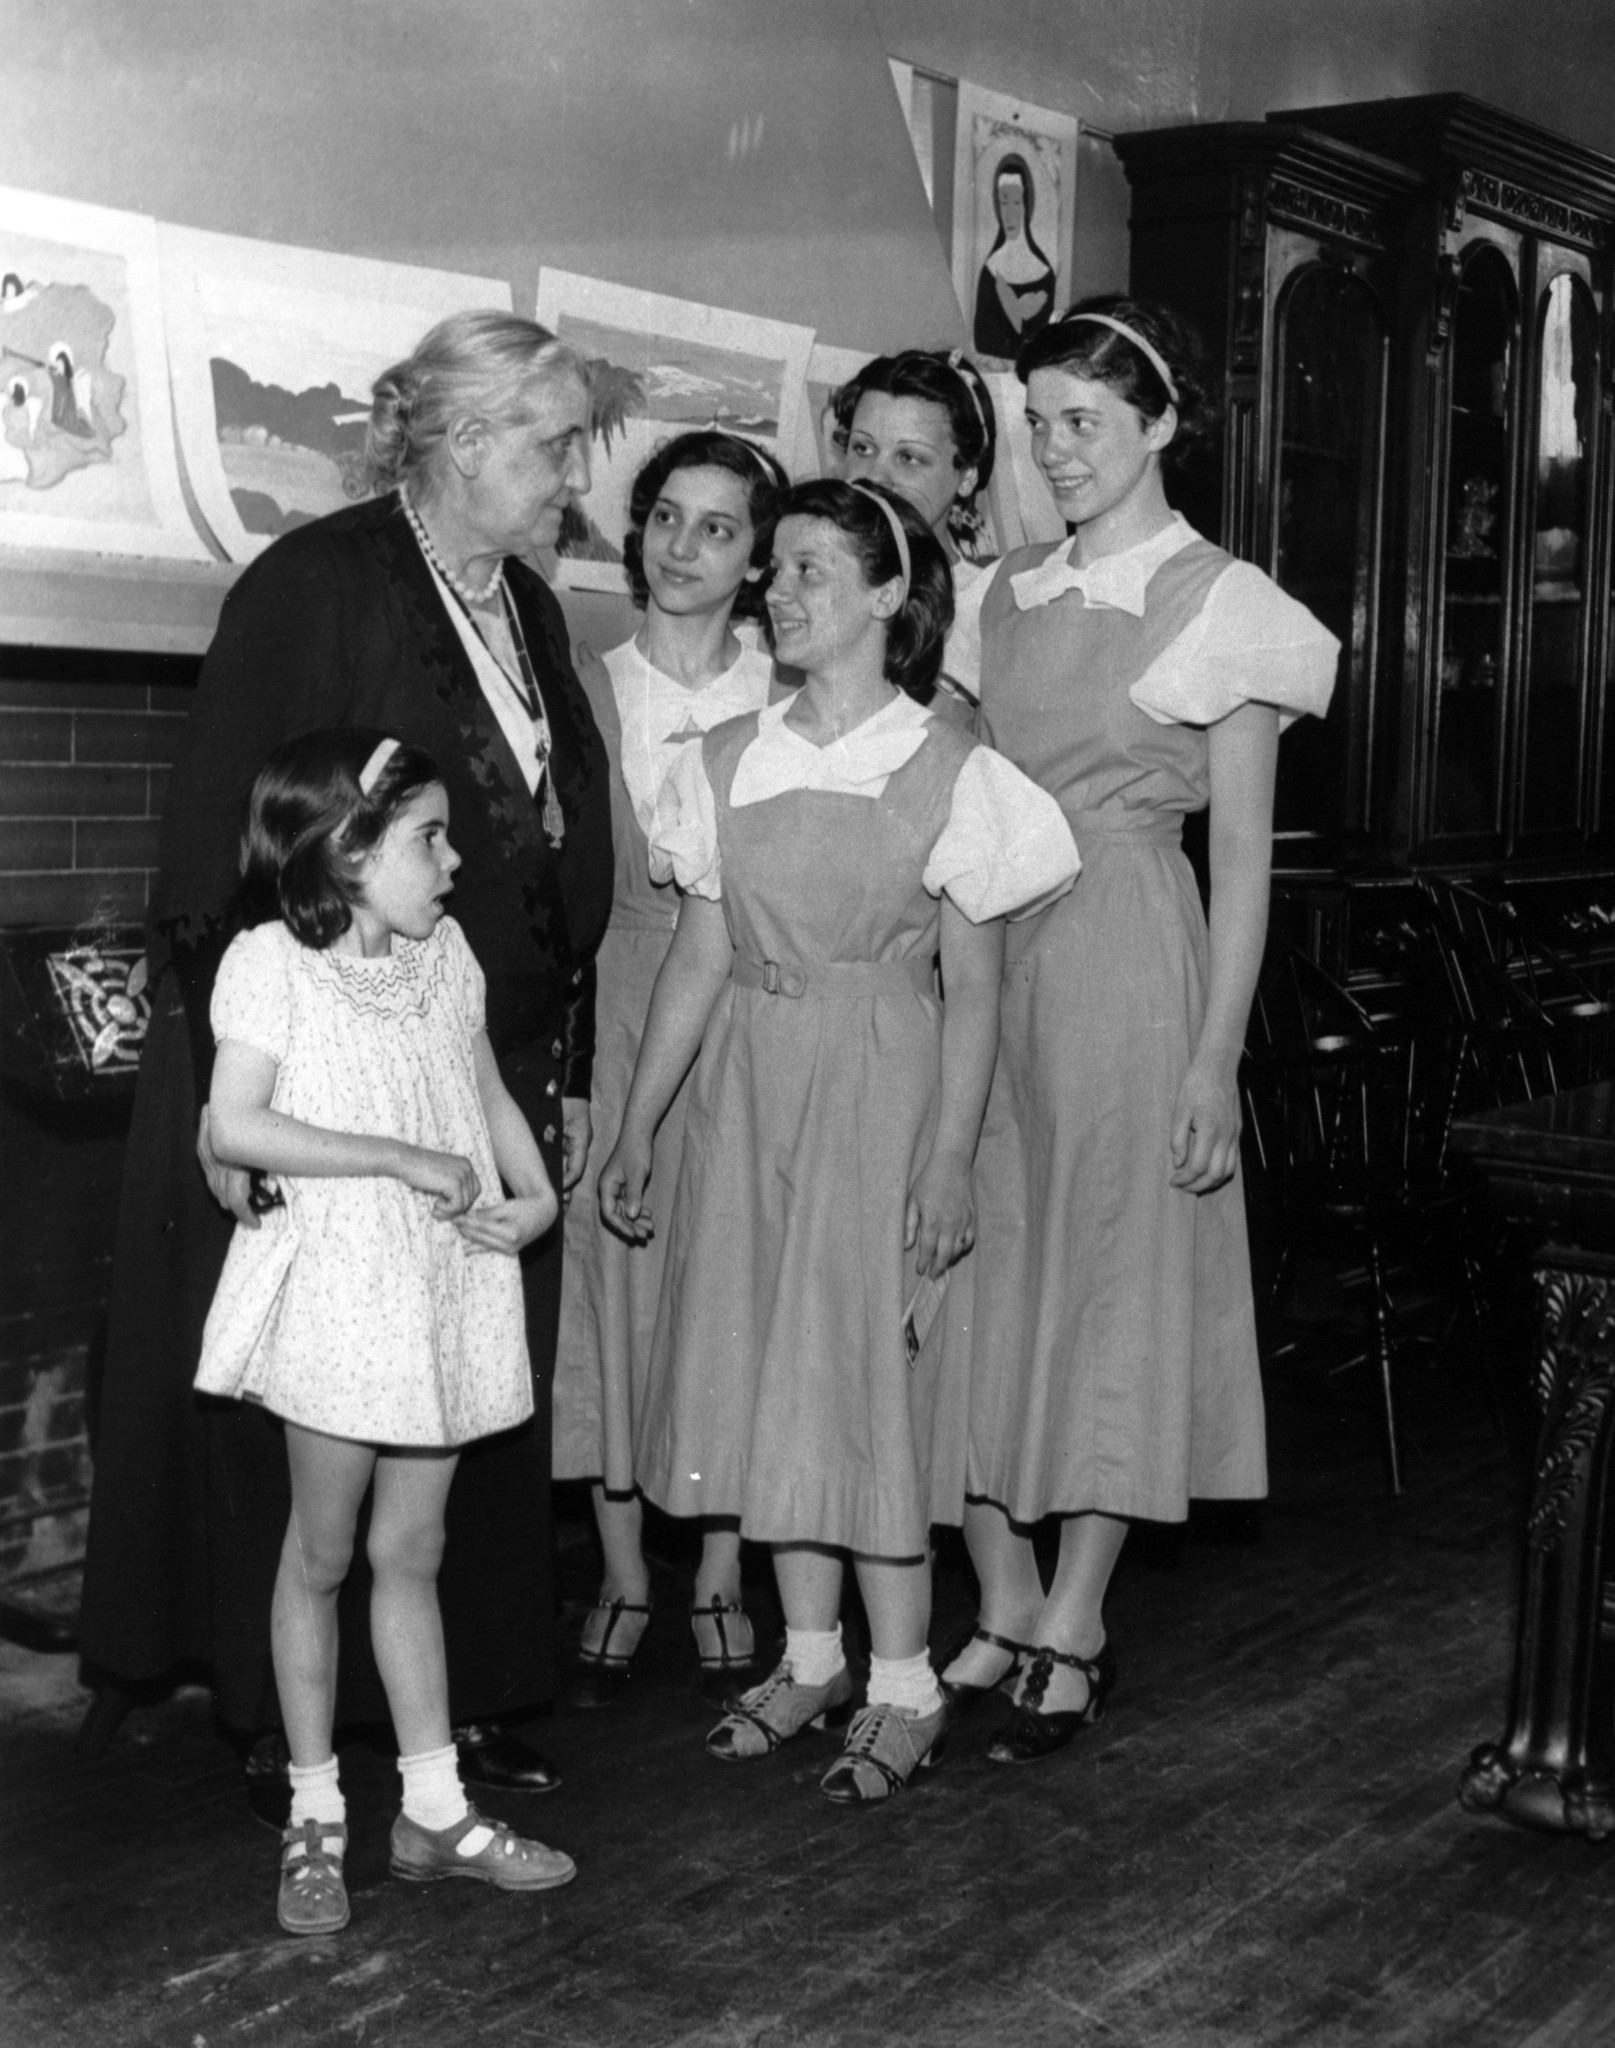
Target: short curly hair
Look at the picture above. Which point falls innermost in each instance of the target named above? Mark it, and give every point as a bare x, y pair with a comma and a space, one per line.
761, 478
942, 376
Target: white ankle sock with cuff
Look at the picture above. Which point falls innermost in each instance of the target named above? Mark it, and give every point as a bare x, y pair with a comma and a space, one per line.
907, 1682
317, 1795
434, 1796
814, 1655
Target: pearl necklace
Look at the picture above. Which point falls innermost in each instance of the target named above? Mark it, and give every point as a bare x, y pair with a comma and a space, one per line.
457, 584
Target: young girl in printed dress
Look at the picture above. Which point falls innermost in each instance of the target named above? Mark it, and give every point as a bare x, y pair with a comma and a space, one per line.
921, 423
377, 1308
699, 518
826, 844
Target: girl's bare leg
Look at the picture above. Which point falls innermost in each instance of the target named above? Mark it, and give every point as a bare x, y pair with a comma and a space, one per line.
406, 1628
329, 1476
1071, 1618
620, 1519
1011, 1592
719, 1571
897, 1599
809, 1585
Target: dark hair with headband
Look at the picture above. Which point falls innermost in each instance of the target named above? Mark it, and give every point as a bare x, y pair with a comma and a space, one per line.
944, 377
863, 514
320, 804
1092, 348
760, 477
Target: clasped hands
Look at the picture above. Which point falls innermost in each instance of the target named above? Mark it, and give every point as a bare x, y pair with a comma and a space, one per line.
448, 1180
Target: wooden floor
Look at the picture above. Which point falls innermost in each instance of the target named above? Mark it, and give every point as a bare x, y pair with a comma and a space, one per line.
1259, 1845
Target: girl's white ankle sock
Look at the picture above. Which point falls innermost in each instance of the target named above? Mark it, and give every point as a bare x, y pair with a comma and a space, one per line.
814, 1655
907, 1682
433, 1795
316, 1794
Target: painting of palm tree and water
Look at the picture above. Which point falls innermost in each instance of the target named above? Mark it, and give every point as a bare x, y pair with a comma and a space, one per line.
658, 367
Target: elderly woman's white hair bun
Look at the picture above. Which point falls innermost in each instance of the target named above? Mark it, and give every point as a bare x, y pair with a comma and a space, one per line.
483, 362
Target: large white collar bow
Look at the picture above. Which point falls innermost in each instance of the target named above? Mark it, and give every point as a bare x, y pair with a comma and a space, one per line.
859, 764
1117, 582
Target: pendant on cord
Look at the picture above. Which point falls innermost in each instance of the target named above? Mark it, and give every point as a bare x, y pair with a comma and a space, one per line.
554, 816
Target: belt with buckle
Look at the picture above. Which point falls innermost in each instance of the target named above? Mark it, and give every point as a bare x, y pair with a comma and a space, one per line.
834, 977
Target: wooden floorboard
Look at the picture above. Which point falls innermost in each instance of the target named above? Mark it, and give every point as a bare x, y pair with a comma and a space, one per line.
1260, 1845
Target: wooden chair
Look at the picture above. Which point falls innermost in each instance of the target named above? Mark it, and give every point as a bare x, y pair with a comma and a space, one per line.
1345, 1117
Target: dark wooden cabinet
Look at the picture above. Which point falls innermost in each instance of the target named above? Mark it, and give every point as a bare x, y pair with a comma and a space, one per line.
1409, 304
1494, 728
1284, 248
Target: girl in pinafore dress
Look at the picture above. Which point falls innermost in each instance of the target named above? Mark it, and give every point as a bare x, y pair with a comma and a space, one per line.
833, 1115
699, 516
376, 1307
1100, 1346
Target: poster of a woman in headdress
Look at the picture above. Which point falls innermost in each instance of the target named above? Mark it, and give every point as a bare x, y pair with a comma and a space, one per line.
1015, 291
1013, 217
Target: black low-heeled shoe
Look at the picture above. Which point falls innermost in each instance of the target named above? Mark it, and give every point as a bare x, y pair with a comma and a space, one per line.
959, 1694
1031, 1734
491, 1755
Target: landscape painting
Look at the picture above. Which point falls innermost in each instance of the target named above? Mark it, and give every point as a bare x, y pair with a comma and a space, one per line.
87, 459
657, 367
273, 353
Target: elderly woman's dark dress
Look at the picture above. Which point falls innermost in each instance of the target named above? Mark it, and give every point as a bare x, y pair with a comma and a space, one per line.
340, 623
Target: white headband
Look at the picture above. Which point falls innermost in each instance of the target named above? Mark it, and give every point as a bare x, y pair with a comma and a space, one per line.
1145, 348
956, 358
898, 534
753, 451
370, 773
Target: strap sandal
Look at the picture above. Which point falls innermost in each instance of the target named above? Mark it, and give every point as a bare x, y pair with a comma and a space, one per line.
771, 1713
1032, 1734
961, 1694
605, 1670
506, 1860
886, 1745
313, 1899
724, 1638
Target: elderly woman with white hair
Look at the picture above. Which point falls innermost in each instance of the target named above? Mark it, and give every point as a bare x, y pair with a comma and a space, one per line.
410, 611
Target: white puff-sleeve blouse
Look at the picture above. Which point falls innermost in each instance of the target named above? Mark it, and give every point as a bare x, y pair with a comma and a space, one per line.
1006, 849
1249, 643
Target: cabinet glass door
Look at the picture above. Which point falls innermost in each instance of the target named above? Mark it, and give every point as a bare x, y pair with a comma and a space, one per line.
1474, 642
1330, 336
1567, 330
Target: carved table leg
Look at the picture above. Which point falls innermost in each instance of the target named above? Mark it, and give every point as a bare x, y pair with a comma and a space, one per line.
1555, 1766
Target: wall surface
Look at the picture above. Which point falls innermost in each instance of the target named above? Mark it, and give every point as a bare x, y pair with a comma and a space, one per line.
1151, 63
1122, 64
749, 153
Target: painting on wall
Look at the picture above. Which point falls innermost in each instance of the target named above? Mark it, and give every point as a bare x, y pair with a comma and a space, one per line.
273, 351
1014, 216
660, 366
828, 369
87, 459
